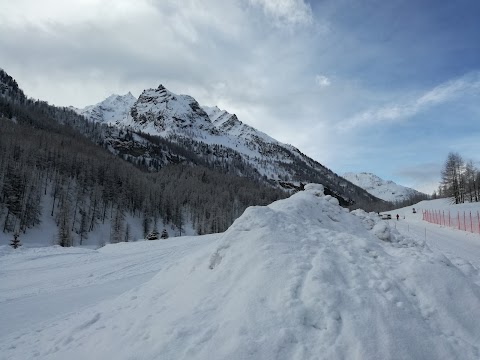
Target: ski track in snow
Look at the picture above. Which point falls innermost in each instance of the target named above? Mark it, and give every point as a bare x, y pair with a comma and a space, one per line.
44, 283
299, 279
461, 248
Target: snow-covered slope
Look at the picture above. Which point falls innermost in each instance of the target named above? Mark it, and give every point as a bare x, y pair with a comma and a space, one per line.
383, 189
299, 279
161, 112
181, 119
110, 111
230, 124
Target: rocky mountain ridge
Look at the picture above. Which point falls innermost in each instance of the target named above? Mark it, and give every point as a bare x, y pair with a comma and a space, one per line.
219, 136
109, 110
384, 189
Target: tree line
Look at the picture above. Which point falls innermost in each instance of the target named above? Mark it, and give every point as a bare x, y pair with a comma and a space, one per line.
460, 180
88, 186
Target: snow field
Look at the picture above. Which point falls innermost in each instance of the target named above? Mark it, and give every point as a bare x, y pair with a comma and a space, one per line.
461, 248
299, 279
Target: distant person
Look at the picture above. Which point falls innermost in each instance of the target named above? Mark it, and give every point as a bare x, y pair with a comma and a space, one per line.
398, 216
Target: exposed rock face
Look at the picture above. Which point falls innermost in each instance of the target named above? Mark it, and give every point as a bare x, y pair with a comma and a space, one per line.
161, 112
180, 118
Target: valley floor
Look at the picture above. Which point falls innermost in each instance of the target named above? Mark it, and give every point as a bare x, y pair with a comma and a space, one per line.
462, 248
42, 284
299, 279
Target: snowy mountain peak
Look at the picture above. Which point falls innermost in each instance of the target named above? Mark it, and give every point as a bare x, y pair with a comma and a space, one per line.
161, 112
383, 189
110, 111
224, 138
115, 98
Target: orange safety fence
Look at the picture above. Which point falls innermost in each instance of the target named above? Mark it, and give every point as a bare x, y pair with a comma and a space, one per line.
461, 220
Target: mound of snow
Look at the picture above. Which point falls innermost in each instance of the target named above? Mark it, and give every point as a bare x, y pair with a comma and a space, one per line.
382, 231
299, 279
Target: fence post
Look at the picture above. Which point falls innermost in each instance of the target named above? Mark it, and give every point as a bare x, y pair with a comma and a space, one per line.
458, 215
478, 219
449, 218
464, 222
471, 225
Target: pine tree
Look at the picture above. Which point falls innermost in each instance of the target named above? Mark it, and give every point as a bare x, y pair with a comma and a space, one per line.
164, 234
64, 230
146, 225
15, 242
127, 233
179, 221
13, 191
83, 229
116, 230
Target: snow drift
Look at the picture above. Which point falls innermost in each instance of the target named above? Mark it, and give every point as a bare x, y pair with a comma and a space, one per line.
301, 278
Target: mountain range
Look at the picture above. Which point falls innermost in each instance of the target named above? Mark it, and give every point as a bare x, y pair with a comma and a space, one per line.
69, 179
217, 135
383, 189
195, 168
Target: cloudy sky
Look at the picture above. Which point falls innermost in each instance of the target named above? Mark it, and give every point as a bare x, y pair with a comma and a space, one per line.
388, 87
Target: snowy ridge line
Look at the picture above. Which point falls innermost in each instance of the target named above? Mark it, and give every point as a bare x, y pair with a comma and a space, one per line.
383, 189
301, 278
181, 119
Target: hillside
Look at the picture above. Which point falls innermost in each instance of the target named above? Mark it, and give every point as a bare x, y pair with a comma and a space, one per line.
299, 279
58, 165
383, 189
219, 136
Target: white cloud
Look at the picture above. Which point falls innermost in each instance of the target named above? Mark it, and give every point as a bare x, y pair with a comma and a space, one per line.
448, 91
322, 81
423, 177
42, 13
286, 12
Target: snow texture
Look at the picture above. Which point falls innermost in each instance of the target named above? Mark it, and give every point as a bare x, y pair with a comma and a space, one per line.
110, 110
301, 278
382, 189
163, 113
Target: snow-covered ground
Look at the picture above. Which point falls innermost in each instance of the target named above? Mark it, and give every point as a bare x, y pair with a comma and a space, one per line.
46, 233
462, 248
299, 279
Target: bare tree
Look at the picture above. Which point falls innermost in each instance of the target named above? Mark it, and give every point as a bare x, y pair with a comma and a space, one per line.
452, 178
64, 230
